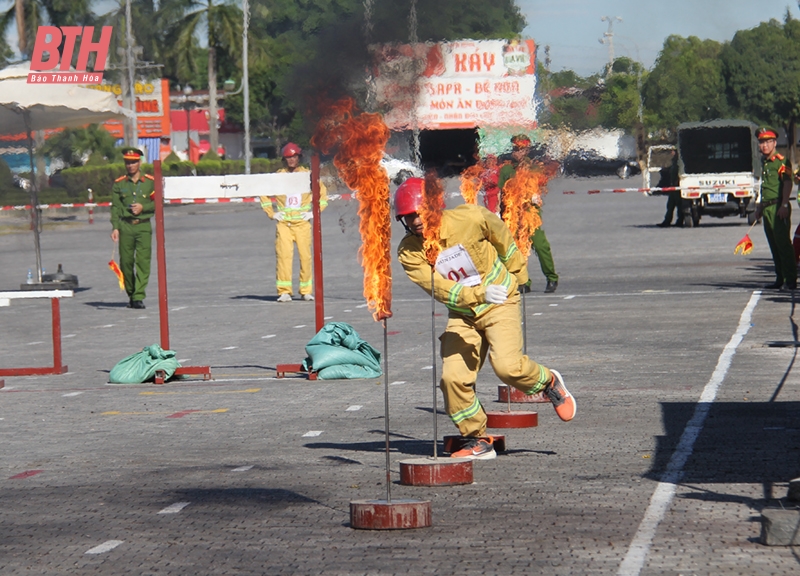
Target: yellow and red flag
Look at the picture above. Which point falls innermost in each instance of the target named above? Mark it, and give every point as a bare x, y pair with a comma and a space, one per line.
118, 273
745, 246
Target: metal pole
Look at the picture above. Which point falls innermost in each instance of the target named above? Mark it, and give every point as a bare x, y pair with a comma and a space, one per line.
316, 229
161, 256
35, 213
246, 87
55, 306
433, 370
130, 60
386, 407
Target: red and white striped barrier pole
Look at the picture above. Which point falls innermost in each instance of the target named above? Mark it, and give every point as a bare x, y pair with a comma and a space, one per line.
91, 208
742, 190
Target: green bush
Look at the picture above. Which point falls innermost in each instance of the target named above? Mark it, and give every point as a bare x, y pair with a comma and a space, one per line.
209, 167
177, 168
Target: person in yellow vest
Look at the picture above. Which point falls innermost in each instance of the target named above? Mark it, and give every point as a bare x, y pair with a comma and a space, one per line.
293, 216
132, 206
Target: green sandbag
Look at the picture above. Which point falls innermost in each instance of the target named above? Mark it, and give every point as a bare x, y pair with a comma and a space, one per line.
142, 366
337, 352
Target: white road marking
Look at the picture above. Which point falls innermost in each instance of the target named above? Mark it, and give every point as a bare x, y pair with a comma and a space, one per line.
362, 305
312, 433
327, 317
174, 508
178, 308
108, 326
142, 318
665, 491
348, 310
553, 304
268, 336
34, 343
72, 394
182, 360
569, 297
106, 546
399, 382
69, 336
427, 368
353, 408
300, 326
230, 348
242, 468
537, 313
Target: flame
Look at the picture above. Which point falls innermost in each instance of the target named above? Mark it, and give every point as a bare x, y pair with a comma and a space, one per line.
118, 273
431, 214
358, 140
745, 246
522, 195
480, 175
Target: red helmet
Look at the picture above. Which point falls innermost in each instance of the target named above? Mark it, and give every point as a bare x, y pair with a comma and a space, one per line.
291, 149
408, 197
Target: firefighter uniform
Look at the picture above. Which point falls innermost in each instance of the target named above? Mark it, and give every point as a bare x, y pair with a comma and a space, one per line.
293, 228
775, 170
477, 250
135, 231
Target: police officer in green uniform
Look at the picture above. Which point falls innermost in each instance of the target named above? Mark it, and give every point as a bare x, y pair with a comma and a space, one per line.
132, 207
774, 208
521, 146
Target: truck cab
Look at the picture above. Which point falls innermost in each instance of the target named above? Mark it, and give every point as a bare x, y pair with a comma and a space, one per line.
720, 169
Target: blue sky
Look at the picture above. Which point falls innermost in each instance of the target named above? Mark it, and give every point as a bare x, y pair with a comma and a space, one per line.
572, 28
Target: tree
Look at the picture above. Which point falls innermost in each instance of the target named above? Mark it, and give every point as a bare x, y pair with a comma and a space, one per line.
28, 15
222, 23
74, 145
621, 101
686, 83
762, 67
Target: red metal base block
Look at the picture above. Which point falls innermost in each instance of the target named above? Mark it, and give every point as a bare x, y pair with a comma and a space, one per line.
2, 383
394, 515
204, 371
282, 369
518, 396
436, 472
516, 419
456, 443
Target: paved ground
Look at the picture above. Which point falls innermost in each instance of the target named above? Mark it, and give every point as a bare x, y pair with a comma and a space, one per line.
259, 479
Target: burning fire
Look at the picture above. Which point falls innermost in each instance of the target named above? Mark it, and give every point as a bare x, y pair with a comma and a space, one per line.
358, 140
480, 175
521, 195
112, 264
431, 214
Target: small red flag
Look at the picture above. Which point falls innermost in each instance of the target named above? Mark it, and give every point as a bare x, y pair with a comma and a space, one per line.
745, 246
118, 273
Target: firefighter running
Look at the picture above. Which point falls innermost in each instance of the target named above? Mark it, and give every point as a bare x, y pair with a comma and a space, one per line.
477, 276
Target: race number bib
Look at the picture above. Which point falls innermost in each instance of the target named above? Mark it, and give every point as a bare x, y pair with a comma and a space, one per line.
294, 201
456, 264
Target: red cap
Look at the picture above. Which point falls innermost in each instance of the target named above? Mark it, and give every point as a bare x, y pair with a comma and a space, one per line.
766, 134
520, 141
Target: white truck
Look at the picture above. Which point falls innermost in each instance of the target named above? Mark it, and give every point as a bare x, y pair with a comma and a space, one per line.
720, 169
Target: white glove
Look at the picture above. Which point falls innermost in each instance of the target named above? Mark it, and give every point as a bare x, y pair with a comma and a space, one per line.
496, 294
277, 216
308, 216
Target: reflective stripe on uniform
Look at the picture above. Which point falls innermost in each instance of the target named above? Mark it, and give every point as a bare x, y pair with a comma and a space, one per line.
468, 412
511, 250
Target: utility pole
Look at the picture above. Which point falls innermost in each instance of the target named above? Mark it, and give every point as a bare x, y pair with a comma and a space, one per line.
608, 38
246, 86
131, 62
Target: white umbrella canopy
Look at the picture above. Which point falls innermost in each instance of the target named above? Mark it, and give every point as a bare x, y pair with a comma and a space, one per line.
50, 105
27, 107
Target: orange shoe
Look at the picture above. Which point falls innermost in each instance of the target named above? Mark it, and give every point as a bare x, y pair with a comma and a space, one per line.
562, 400
477, 449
